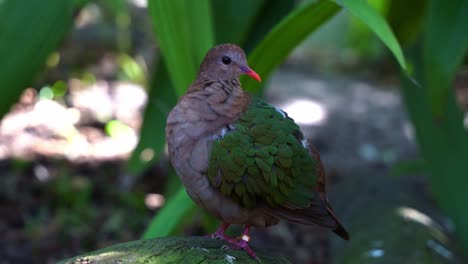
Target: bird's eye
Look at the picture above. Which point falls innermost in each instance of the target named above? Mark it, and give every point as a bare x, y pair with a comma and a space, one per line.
226, 60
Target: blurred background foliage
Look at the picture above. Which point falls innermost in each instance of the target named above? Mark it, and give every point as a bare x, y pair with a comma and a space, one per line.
96, 65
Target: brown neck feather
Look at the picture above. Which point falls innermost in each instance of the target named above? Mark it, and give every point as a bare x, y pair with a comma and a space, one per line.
225, 98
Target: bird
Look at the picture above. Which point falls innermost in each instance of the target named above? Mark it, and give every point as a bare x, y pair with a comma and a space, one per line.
242, 160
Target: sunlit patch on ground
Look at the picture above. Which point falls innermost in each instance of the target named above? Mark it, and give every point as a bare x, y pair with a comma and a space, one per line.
100, 122
305, 111
154, 200
140, 3
375, 253
417, 216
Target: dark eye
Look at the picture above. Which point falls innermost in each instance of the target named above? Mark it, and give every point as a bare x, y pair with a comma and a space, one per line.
226, 60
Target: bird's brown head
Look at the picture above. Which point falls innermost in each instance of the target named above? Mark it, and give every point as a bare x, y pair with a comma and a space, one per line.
226, 62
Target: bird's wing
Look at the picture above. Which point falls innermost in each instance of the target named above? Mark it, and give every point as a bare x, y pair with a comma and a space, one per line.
264, 159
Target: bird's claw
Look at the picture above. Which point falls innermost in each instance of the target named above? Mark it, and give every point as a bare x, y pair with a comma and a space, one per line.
221, 236
242, 244
225, 247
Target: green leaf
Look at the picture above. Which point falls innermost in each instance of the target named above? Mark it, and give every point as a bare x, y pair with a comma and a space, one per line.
117, 129
406, 19
29, 32
170, 215
369, 16
252, 20
446, 44
271, 13
201, 30
285, 36
241, 13
184, 38
406, 167
442, 139
162, 97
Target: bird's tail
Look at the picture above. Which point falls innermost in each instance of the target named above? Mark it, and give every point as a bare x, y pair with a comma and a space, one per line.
339, 230
318, 213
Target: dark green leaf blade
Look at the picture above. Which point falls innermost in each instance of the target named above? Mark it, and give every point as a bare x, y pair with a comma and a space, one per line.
271, 13
234, 12
184, 40
378, 25
285, 36
252, 20
446, 43
29, 32
437, 119
162, 97
170, 215
183, 37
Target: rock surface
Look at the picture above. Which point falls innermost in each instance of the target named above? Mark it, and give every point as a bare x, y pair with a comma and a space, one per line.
171, 250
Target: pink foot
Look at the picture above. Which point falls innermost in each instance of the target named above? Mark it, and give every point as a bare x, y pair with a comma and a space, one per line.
244, 245
220, 234
239, 244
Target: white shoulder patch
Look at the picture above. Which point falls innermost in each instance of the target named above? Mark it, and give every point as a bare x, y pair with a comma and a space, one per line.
281, 112
223, 131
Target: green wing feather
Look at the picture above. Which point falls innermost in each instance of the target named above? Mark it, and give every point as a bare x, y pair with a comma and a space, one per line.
263, 160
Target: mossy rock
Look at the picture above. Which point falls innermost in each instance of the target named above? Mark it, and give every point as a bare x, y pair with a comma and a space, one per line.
171, 250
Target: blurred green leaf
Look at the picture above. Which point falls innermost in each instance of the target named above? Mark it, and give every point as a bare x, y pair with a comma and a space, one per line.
59, 89
241, 13
362, 10
442, 139
406, 19
363, 40
201, 34
170, 215
446, 43
272, 12
252, 20
285, 36
29, 32
409, 167
117, 129
161, 99
184, 38
131, 70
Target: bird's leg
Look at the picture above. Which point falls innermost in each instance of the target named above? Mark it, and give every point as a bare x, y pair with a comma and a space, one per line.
243, 243
220, 234
220, 231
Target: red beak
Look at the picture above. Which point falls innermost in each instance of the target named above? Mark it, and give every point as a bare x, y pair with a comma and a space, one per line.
251, 73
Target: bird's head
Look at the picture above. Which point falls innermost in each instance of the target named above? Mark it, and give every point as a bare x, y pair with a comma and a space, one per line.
226, 62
